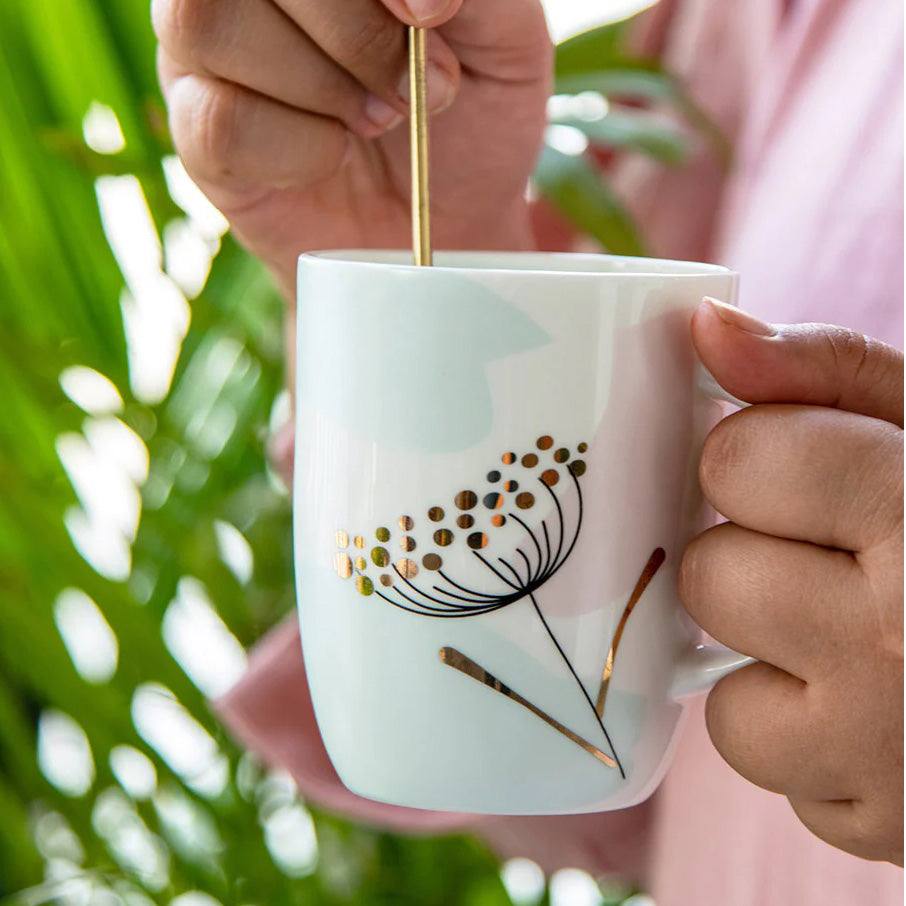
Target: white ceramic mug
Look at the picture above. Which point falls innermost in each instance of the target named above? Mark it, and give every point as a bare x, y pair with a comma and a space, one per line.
496, 475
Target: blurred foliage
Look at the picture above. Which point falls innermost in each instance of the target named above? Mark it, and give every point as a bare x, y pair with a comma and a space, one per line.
62, 301
619, 102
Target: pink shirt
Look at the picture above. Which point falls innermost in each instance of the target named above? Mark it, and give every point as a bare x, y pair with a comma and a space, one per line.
811, 214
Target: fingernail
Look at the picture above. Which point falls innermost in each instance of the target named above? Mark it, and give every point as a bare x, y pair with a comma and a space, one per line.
380, 114
739, 319
441, 89
425, 10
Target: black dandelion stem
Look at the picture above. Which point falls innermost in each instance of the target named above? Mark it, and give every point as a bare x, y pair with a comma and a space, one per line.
579, 683
529, 593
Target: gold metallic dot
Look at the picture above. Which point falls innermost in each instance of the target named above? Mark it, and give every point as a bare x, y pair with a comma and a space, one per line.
343, 565
582, 447
436, 514
525, 500
361, 563
386, 580
493, 476
477, 540
550, 477
406, 523
508, 459
465, 521
380, 556
382, 534
545, 442
577, 467
465, 500
530, 460
443, 537
364, 585
407, 543
493, 501
342, 539
432, 561
358, 541
511, 486
407, 568
498, 520
561, 455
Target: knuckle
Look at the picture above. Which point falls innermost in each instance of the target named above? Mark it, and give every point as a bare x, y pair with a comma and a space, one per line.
864, 365
185, 27
720, 718
369, 46
703, 574
689, 580
848, 348
723, 456
214, 124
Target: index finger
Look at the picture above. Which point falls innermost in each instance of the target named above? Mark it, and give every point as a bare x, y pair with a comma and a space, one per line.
807, 473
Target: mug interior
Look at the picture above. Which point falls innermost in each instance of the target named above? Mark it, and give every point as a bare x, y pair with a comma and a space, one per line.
539, 262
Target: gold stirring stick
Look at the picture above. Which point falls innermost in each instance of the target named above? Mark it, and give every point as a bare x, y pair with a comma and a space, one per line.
418, 140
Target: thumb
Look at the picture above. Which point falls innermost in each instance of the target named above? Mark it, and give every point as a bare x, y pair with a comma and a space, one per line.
813, 364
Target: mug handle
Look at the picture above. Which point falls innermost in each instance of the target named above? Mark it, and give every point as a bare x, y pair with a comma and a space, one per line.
703, 665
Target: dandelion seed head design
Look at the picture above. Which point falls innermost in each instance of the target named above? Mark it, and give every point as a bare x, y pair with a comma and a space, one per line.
421, 582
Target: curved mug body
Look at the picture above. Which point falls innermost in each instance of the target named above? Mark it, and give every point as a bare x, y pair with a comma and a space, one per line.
496, 476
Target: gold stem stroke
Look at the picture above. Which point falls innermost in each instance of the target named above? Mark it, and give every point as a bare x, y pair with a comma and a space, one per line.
655, 561
459, 661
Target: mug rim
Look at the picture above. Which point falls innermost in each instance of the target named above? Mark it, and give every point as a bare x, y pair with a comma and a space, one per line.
399, 260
